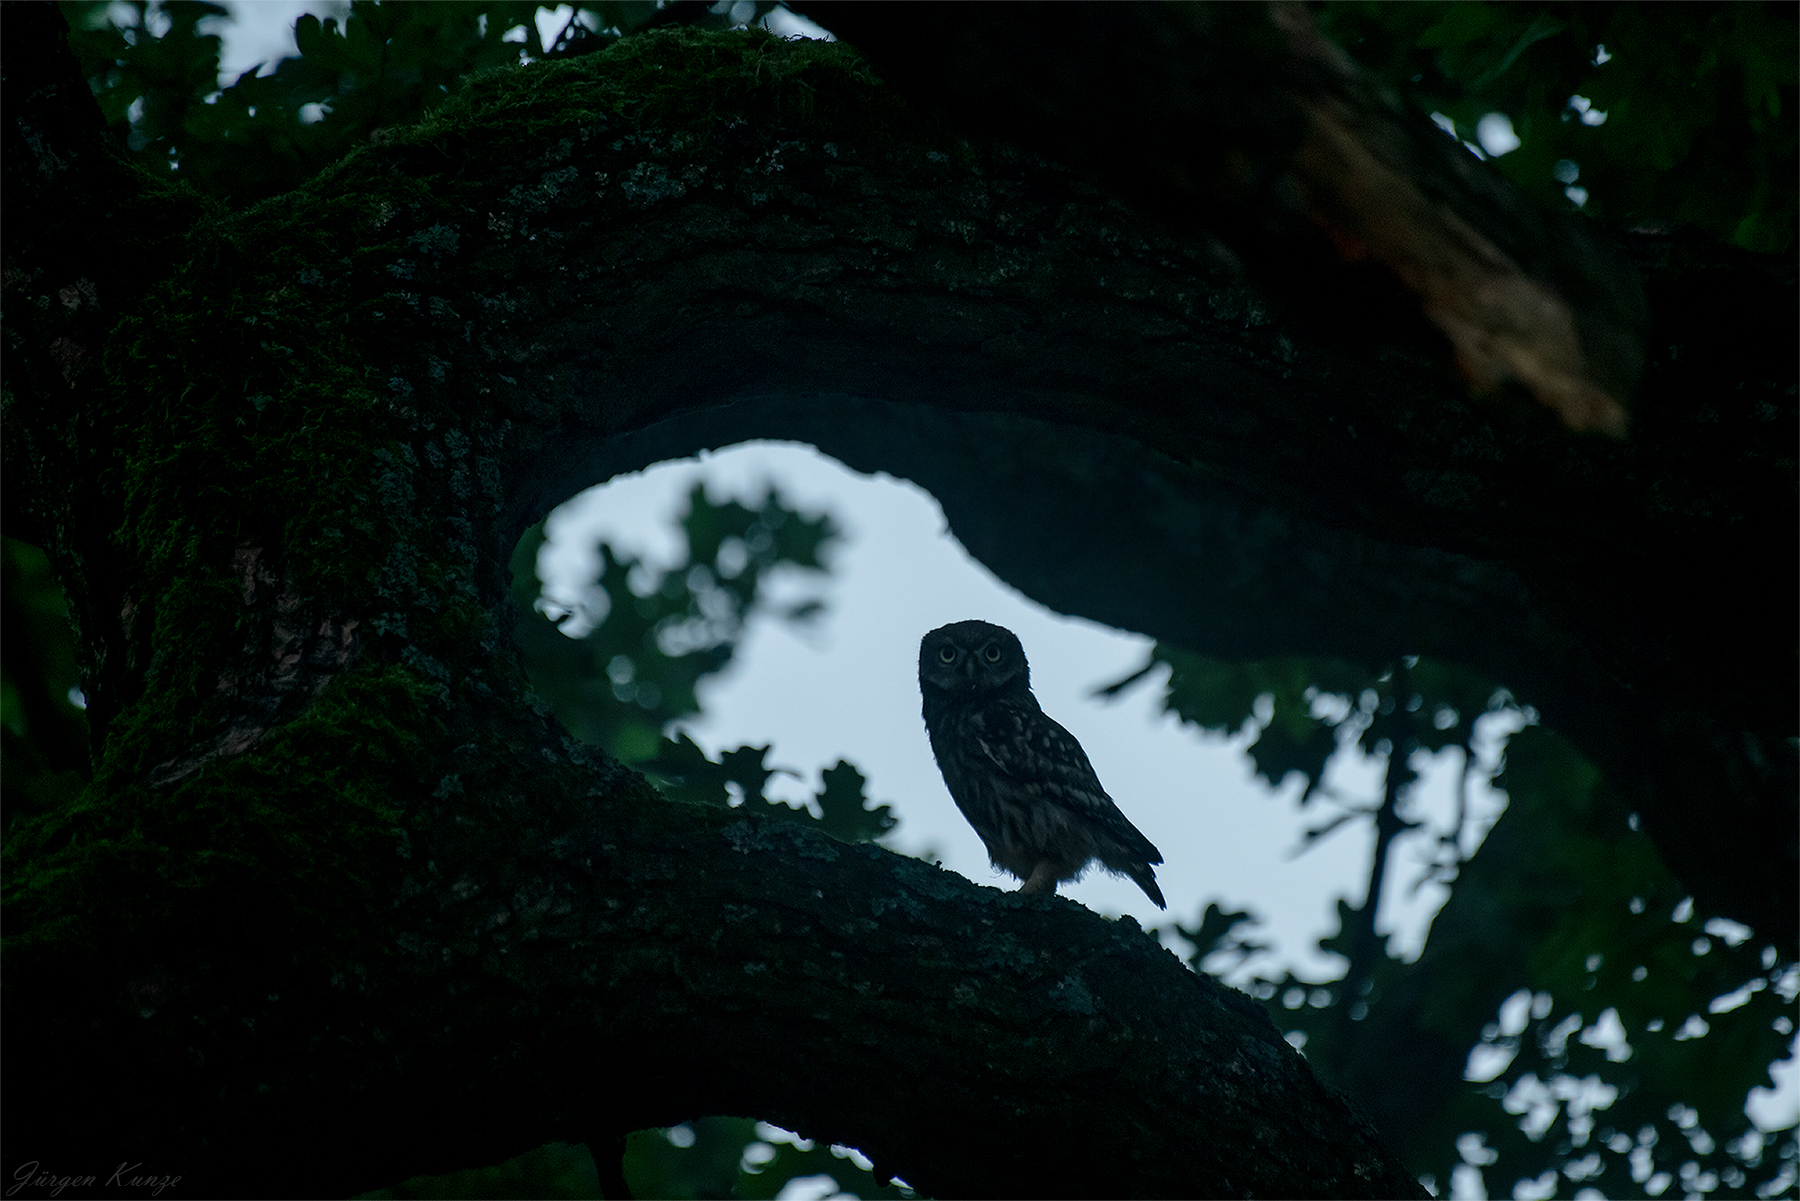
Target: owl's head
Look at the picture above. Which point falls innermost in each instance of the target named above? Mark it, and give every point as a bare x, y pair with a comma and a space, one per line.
972, 657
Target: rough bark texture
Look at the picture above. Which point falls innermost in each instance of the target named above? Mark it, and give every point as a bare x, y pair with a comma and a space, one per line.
1641, 596
342, 899
1242, 120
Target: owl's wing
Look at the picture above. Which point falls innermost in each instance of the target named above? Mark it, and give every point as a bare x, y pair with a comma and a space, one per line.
1045, 761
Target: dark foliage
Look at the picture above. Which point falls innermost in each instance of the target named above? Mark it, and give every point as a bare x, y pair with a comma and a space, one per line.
1567, 979
654, 637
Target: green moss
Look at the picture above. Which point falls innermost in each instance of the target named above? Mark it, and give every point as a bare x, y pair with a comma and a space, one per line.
287, 389
304, 430
673, 82
295, 845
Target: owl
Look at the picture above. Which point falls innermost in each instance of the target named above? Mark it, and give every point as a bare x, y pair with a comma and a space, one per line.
1023, 781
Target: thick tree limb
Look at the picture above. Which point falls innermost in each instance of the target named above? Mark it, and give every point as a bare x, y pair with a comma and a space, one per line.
654, 963
1242, 120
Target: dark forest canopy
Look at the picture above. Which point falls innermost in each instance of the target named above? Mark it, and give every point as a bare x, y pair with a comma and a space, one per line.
1192, 321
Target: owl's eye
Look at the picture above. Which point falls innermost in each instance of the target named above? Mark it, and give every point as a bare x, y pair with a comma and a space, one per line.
991, 654
947, 654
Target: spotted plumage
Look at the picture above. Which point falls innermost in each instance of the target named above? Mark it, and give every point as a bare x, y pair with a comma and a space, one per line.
1023, 781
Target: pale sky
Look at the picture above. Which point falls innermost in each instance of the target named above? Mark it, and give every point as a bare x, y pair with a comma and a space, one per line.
847, 686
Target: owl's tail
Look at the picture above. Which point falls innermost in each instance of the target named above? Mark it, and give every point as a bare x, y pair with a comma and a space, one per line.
1133, 856
1144, 876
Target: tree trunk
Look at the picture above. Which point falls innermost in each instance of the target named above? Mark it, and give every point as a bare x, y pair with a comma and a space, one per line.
343, 905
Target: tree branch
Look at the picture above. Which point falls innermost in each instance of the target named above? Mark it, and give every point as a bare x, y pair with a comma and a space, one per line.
917, 1008
1244, 121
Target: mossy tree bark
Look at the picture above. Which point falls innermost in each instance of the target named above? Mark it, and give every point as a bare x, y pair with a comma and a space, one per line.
343, 905
1641, 595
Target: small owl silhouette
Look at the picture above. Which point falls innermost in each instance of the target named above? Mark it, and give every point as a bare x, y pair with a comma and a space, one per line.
1023, 781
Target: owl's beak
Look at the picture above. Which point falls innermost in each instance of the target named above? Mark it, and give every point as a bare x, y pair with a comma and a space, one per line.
969, 666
